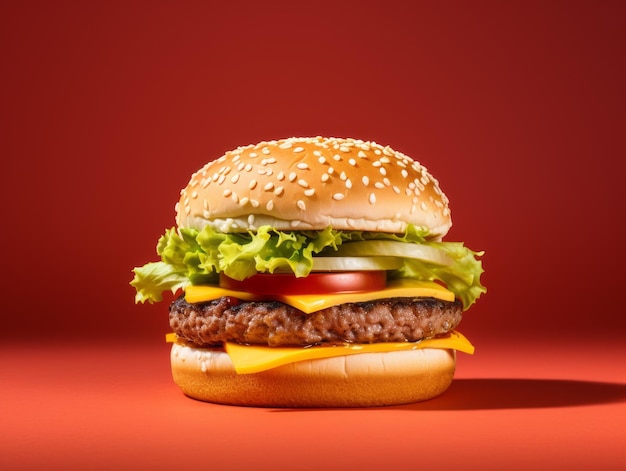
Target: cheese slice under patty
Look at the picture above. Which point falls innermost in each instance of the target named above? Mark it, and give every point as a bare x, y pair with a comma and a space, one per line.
256, 358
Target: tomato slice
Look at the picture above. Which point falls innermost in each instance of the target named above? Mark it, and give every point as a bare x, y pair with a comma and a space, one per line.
316, 283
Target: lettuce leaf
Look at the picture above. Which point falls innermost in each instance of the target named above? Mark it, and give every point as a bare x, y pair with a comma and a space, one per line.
189, 256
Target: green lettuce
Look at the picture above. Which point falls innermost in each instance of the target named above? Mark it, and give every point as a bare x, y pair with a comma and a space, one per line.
189, 256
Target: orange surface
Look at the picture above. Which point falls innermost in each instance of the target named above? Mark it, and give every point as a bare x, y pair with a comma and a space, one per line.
104, 407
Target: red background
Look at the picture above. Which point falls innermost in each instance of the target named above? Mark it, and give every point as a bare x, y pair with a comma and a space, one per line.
516, 107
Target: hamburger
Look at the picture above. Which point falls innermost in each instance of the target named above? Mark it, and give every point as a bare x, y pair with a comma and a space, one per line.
311, 272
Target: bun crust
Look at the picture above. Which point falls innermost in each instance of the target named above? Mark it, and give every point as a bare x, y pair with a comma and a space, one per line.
362, 380
311, 184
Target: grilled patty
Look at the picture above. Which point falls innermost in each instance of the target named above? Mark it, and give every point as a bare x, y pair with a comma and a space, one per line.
273, 323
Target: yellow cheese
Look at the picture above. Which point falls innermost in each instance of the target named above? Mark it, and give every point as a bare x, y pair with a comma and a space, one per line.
314, 302
257, 358
254, 358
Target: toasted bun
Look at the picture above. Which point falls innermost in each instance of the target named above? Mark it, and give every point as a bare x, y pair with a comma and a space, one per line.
362, 380
311, 184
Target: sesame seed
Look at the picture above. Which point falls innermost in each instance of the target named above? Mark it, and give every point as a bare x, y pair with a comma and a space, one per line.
396, 190
265, 150
248, 167
268, 186
379, 185
337, 157
240, 166
317, 153
254, 203
251, 219
362, 155
352, 162
244, 201
301, 204
270, 205
343, 176
365, 180
227, 192
423, 206
322, 160
372, 198
279, 191
302, 166
303, 183
330, 171
309, 192
386, 182
378, 163
348, 183
285, 145
338, 196
298, 149
281, 176
404, 173
271, 160
252, 156
295, 223
325, 177
344, 149
292, 176
235, 198
252, 184
382, 170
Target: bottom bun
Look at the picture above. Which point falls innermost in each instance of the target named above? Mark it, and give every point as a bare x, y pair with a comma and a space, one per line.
361, 380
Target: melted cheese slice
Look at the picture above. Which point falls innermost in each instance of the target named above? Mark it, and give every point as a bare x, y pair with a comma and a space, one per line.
253, 359
309, 303
256, 358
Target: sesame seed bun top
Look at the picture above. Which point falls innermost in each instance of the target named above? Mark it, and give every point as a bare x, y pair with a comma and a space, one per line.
313, 183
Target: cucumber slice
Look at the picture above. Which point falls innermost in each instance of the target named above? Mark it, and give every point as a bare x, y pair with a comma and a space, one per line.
392, 248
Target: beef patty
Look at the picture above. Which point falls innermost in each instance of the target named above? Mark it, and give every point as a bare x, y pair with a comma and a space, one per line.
273, 323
